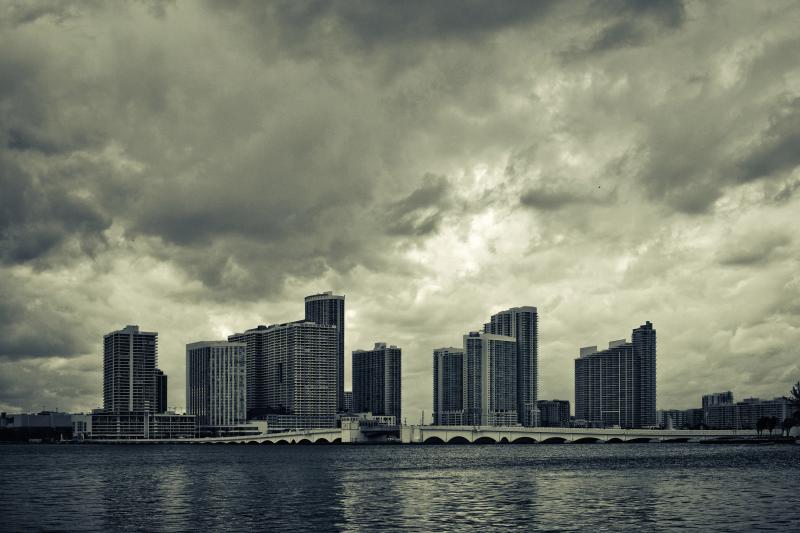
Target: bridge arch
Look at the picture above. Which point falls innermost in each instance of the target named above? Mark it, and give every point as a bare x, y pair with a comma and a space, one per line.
614, 440
322, 440
267, 442
433, 440
484, 440
554, 440
337, 440
524, 440
586, 440
282, 441
304, 441
639, 440
458, 439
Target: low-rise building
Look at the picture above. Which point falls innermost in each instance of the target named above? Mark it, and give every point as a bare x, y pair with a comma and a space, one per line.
47, 426
132, 425
553, 413
745, 414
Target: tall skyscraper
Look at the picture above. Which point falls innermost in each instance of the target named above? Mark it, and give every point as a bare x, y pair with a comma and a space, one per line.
490, 380
617, 386
161, 391
291, 373
327, 309
130, 357
448, 386
522, 323
643, 339
376, 380
216, 385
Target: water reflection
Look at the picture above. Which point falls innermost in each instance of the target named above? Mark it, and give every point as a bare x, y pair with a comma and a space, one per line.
359, 488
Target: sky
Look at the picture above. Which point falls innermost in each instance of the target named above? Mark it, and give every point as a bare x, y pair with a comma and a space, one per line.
197, 168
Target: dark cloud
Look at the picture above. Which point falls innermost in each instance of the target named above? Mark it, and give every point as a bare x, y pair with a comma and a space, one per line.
202, 168
17, 12
41, 214
776, 150
628, 23
34, 325
421, 212
385, 22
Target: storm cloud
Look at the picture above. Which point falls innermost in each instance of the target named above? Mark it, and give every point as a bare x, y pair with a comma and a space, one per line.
197, 168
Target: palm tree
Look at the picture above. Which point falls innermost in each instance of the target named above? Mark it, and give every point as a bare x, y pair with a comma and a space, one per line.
761, 424
770, 424
794, 398
786, 426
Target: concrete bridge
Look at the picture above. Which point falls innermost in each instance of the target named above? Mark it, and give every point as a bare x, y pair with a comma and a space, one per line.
525, 435
353, 434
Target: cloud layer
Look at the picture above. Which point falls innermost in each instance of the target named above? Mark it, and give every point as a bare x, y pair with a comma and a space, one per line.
197, 168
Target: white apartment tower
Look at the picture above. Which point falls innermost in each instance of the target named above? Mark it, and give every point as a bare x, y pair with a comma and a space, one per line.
216, 385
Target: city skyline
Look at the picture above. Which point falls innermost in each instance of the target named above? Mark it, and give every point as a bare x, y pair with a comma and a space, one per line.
198, 169
426, 410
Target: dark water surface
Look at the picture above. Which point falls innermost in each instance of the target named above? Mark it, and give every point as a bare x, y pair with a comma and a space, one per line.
646, 487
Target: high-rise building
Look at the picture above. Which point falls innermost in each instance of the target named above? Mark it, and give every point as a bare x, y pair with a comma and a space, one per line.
376, 380
522, 323
490, 380
130, 358
216, 385
291, 373
327, 309
643, 339
553, 413
161, 391
448, 386
616, 387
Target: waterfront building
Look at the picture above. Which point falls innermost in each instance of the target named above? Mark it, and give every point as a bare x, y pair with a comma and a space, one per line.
643, 339
47, 426
161, 391
522, 323
448, 387
490, 380
348, 401
133, 425
554, 413
745, 414
713, 399
376, 380
81, 426
130, 358
327, 309
695, 418
616, 387
216, 386
291, 373
671, 419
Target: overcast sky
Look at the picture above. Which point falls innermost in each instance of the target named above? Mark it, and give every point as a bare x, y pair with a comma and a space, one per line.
198, 168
